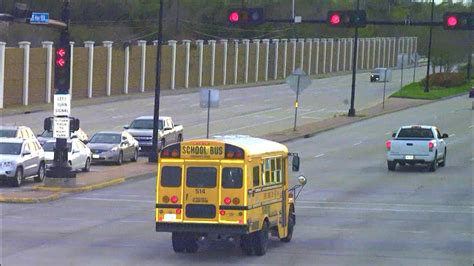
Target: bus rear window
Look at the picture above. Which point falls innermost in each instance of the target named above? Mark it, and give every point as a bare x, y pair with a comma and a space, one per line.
171, 176
232, 177
205, 177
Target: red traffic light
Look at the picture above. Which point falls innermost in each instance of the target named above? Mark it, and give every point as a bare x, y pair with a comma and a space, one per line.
335, 19
234, 17
61, 52
452, 21
458, 21
60, 62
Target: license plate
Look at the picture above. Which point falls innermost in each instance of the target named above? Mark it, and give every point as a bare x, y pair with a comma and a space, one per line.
409, 157
95, 156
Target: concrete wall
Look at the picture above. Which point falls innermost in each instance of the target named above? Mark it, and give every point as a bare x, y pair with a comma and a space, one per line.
327, 56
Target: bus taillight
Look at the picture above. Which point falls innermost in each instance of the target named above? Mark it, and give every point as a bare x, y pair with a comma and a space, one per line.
165, 199
227, 200
178, 211
222, 212
174, 199
236, 201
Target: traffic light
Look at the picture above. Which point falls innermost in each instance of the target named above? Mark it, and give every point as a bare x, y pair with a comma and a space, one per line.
246, 16
458, 21
347, 18
62, 65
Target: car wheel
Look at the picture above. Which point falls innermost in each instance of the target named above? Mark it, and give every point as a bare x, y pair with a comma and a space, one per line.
135, 156
120, 159
41, 173
87, 165
17, 179
443, 163
391, 165
434, 164
260, 240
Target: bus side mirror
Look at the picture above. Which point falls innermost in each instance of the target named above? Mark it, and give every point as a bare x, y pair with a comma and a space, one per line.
302, 180
295, 163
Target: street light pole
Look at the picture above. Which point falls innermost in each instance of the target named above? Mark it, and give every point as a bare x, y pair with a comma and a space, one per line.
153, 156
427, 79
354, 67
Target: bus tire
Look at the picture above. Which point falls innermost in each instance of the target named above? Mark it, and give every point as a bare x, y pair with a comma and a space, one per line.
246, 244
260, 240
178, 242
190, 242
291, 226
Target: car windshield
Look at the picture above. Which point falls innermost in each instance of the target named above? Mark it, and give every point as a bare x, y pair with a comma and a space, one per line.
49, 146
8, 133
106, 138
47, 134
415, 133
10, 148
145, 124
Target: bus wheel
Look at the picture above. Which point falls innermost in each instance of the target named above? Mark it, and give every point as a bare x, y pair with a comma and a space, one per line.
260, 240
246, 244
178, 242
190, 242
291, 225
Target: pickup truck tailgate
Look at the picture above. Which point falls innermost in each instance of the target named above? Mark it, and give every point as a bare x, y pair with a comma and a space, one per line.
410, 147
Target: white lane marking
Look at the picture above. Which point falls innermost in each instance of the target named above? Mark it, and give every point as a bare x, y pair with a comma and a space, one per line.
472, 159
321, 110
384, 204
130, 221
116, 200
319, 155
388, 133
452, 135
413, 232
117, 116
70, 219
111, 109
471, 126
311, 117
194, 105
383, 210
358, 143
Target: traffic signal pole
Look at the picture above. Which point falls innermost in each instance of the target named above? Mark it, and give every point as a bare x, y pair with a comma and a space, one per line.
153, 156
427, 79
60, 167
352, 111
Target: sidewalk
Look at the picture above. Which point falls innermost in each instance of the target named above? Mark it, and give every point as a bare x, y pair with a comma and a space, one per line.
116, 175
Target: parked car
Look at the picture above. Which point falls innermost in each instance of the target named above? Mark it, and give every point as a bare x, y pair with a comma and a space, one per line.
20, 159
110, 146
381, 74
417, 145
142, 129
79, 155
48, 135
16, 132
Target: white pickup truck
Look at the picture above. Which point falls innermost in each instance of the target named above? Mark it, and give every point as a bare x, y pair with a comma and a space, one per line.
417, 145
142, 130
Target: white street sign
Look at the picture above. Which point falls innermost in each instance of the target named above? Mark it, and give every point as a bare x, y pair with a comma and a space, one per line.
62, 105
61, 127
292, 80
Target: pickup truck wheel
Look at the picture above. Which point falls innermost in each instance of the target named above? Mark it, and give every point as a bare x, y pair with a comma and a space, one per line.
391, 165
17, 179
434, 164
41, 173
401, 163
443, 163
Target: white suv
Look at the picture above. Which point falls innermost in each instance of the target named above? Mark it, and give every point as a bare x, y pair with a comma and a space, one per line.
20, 159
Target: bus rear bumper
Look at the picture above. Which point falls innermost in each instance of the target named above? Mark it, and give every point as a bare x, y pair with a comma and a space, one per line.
202, 228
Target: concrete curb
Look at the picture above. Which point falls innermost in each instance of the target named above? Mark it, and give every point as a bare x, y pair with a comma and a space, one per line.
107, 183
52, 197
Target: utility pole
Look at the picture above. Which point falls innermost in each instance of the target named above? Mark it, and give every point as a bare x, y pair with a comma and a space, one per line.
153, 156
352, 111
427, 83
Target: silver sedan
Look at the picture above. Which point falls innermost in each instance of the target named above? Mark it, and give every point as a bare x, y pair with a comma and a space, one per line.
112, 146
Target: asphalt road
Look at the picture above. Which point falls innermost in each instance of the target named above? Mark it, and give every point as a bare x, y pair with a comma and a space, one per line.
252, 111
352, 211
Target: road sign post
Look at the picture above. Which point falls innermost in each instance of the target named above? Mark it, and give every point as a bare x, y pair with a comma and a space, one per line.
209, 98
298, 81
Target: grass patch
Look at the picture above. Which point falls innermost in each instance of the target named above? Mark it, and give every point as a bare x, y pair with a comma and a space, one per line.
415, 91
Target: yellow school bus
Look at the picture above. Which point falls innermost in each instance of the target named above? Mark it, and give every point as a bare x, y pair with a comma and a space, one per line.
229, 187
